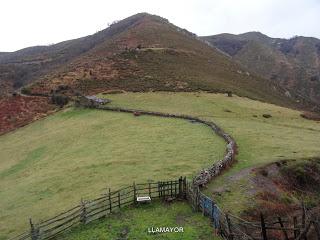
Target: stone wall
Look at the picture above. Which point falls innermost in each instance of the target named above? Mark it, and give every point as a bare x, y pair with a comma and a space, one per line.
205, 175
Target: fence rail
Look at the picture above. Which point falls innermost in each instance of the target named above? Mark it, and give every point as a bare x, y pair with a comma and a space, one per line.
226, 225
302, 227
110, 201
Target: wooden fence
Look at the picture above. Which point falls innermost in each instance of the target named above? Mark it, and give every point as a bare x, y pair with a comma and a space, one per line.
226, 225
229, 226
110, 201
303, 227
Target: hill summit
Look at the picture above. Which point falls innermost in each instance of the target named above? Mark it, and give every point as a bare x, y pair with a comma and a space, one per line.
140, 53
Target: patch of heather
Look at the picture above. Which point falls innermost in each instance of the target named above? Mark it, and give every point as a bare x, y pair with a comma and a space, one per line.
18, 111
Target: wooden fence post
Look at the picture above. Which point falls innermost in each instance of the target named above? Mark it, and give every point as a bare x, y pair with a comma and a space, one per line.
263, 228
185, 187
317, 228
305, 231
229, 227
180, 187
283, 229
198, 198
33, 231
110, 203
134, 193
212, 214
163, 190
159, 190
83, 214
175, 188
303, 219
203, 207
296, 231
119, 199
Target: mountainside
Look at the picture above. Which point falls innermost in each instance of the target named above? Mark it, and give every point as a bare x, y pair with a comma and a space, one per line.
140, 53
27, 65
293, 63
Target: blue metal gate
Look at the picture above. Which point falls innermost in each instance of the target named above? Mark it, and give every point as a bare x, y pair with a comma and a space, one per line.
210, 209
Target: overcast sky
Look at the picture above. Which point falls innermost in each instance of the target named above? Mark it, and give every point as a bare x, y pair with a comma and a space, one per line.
26, 23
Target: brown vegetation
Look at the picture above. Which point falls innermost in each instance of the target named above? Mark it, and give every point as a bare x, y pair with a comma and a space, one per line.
292, 63
311, 116
283, 186
18, 111
140, 53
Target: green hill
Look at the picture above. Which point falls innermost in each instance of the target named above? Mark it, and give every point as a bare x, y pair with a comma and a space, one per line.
285, 135
52, 163
49, 165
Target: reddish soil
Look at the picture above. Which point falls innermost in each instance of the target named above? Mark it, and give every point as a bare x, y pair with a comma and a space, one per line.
18, 111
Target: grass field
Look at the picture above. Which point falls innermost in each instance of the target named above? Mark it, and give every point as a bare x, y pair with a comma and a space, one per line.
133, 223
47, 166
283, 136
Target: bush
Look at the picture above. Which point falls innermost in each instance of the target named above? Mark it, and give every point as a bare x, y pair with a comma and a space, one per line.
59, 99
63, 88
26, 91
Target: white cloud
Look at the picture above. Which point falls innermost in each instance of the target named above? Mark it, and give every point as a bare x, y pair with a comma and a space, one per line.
36, 22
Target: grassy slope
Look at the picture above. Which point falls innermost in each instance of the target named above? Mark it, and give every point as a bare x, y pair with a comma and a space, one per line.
133, 223
76, 153
170, 60
284, 136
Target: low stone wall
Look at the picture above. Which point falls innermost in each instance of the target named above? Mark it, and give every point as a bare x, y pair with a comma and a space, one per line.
89, 211
205, 175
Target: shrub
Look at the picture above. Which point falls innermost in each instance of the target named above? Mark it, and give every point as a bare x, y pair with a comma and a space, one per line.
26, 91
264, 172
63, 88
59, 99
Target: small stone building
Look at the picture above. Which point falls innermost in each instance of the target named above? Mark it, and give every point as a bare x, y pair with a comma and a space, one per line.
91, 101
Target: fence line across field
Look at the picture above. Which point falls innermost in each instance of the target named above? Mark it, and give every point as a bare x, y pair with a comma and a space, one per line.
111, 201
225, 224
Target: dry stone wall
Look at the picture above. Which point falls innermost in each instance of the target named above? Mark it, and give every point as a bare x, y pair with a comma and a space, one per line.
205, 175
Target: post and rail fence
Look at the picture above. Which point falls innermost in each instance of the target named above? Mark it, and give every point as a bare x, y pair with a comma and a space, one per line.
226, 225
109, 202
304, 226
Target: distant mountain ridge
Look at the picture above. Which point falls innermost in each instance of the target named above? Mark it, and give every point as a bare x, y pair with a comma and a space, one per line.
292, 63
140, 53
